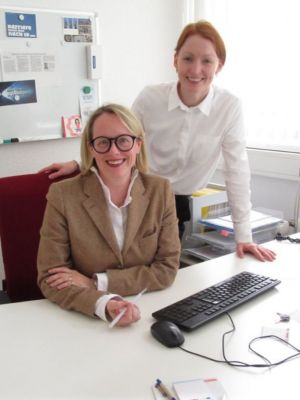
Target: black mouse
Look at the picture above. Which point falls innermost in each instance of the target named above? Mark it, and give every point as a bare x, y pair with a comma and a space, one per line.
167, 333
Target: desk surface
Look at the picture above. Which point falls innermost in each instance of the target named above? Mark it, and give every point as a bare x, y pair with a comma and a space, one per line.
49, 353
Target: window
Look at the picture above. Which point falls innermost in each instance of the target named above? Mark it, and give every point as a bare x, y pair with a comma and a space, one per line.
262, 67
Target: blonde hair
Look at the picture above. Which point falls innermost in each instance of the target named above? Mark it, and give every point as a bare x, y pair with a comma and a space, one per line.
131, 123
207, 31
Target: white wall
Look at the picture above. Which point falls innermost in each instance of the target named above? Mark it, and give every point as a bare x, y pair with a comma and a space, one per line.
138, 38
276, 195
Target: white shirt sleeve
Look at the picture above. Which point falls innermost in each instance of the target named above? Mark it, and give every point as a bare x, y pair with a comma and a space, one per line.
102, 281
237, 175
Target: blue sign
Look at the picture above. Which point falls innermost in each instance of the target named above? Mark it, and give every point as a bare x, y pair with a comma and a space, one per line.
17, 92
20, 25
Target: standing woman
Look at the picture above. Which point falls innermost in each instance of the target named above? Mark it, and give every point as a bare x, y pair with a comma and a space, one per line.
189, 124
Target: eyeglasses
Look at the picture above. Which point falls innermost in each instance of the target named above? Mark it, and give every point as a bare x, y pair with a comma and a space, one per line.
102, 144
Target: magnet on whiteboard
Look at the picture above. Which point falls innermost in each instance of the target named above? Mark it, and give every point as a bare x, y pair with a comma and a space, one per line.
86, 89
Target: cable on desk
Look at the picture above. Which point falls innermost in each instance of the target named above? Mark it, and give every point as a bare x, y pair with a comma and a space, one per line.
236, 363
279, 237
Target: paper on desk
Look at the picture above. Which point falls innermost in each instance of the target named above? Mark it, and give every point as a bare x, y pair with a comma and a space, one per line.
257, 220
206, 389
195, 389
200, 389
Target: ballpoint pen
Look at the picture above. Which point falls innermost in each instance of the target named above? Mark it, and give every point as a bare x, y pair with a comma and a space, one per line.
164, 390
123, 311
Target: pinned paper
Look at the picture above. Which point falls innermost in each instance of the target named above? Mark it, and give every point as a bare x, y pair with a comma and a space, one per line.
72, 126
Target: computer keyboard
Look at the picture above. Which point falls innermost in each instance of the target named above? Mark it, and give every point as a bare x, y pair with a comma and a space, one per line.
199, 308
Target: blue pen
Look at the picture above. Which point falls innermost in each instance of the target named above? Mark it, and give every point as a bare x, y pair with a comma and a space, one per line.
164, 390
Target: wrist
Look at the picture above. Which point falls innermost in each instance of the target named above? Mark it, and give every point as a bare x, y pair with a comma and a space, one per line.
94, 282
76, 166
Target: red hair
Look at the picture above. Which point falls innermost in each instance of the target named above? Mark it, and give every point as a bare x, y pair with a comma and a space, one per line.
207, 31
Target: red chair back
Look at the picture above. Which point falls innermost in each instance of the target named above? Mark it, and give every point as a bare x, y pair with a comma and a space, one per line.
22, 206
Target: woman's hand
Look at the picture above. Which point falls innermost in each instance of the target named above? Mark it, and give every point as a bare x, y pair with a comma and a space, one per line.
61, 169
132, 314
62, 277
259, 252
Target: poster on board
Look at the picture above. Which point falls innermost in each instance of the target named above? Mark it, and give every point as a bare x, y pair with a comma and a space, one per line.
17, 92
19, 25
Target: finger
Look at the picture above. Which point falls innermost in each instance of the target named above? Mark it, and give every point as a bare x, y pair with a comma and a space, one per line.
57, 280
48, 168
132, 314
240, 251
64, 285
136, 314
115, 307
55, 175
268, 254
57, 270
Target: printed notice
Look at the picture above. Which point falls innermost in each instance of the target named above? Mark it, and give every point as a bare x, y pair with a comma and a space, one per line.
88, 101
17, 92
20, 25
78, 30
27, 62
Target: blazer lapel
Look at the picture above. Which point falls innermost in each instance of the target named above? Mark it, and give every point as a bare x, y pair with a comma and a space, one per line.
95, 205
136, 212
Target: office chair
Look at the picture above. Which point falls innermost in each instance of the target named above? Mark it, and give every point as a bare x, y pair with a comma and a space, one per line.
22, 206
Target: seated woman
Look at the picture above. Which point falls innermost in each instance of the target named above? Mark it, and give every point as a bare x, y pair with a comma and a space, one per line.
112, 230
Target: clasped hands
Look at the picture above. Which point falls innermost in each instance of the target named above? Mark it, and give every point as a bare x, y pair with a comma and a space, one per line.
63, 277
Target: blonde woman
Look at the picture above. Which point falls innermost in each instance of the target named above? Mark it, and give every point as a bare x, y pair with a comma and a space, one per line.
111, 231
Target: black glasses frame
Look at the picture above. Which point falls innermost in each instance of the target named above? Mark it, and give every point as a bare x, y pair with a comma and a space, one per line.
115, 141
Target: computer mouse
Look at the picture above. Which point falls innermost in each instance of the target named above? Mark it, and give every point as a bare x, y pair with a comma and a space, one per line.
167, 333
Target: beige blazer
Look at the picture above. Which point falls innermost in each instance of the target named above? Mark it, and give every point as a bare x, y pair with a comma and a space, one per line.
77, 232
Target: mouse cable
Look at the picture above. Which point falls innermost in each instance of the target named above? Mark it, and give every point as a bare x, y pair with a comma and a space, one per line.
236, 363
279, 237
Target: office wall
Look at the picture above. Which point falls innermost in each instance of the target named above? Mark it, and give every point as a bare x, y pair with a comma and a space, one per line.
276, 195
138, 38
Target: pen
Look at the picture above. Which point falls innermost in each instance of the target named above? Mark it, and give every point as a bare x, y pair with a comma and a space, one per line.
164, 390
123, 311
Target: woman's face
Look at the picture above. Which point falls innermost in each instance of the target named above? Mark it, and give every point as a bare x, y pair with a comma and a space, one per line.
115, 164
196, 64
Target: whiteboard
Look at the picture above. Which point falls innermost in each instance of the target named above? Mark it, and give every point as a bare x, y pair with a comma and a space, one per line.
44, 59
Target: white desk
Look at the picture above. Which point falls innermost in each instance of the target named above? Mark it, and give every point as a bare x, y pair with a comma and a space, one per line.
49, 353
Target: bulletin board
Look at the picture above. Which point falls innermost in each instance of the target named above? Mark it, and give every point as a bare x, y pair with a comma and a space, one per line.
46, 88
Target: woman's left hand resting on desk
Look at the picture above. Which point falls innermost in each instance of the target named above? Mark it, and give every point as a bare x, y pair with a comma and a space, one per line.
259, 252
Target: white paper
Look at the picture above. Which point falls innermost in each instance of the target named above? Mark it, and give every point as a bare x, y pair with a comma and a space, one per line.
211, 389
39, 61
88, 101
193, 390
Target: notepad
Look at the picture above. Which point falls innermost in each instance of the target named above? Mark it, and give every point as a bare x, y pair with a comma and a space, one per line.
195, 389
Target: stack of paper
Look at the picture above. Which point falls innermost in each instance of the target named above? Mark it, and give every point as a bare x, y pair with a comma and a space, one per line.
258, 220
